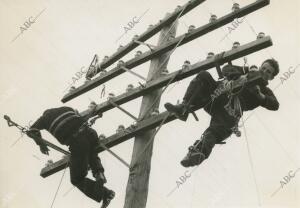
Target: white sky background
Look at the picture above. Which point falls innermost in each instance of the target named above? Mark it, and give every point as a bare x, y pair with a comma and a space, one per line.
37, 67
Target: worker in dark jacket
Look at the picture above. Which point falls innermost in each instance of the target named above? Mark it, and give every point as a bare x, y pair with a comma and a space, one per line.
224, 106
70, 129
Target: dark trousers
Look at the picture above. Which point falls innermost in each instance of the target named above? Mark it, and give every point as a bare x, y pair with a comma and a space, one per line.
81, 156
199, 90
199, 94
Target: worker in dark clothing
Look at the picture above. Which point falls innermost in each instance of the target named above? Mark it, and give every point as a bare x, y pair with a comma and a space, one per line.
224, 106
70, 129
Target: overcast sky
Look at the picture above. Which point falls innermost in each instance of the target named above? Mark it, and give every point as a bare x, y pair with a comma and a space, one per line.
38, 64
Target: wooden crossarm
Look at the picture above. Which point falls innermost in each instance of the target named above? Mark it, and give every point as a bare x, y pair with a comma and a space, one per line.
165, 48
151, 32
192, 70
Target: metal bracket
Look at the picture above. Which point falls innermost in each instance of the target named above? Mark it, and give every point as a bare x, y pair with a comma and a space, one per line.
135, 74
219, 71
92, 71
114, 154
122, 109
151, 47
142, 85
217, 59
193, 113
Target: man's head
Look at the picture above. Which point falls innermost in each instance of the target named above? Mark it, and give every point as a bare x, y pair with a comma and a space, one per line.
269, 69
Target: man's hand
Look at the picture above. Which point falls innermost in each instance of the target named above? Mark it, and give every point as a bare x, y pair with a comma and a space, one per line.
37, 137
219, 57
34, 134
44, 149
257, 92
240, 81
100, 177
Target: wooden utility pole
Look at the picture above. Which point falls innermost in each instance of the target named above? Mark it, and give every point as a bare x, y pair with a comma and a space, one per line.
138, 181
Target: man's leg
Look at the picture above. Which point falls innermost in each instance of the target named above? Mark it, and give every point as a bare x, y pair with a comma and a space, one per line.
214, 134
79, 168
198, 93
200, 150
95, 163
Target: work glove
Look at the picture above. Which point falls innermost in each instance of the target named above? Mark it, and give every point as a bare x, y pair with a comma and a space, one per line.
37, 137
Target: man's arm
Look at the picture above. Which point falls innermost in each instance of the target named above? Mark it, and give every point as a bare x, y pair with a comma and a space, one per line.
265, 97
39, 124
35, 134
233, 72
269, 102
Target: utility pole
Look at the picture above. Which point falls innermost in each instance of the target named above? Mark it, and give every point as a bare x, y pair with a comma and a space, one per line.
138, 180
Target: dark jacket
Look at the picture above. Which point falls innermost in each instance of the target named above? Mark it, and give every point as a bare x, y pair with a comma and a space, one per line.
61, 122
64, 124
249, 100
221, 121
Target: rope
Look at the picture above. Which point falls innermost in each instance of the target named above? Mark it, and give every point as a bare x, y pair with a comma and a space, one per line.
163, 39
152, 138
231, 93
15, 142
251, 164
176, 83
277, 141
59, 185
170, 53
254, 31
211, 100
114, 154
92, 122
248, 148
67, 192
173, 190
157, 97
165, 35
201, 138
226, 36
171, 80
253, 112
163, 121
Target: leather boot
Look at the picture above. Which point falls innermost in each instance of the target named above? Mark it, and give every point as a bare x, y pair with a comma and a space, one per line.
193, 157
180, 110
107, 198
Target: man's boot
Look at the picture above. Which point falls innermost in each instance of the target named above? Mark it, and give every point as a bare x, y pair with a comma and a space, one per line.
193, 157
181, 111
109, 195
